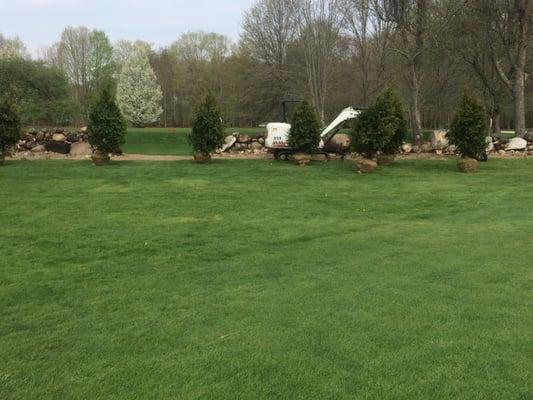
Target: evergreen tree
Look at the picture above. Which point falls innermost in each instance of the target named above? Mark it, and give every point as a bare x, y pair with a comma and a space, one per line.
207, 133
138, 94
305, 128
107, 127
10, 128
381, 128
399, 120
469, 128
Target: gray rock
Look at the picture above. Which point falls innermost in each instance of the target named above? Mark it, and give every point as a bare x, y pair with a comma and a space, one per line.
340, 143
244, 139
529, 136
256, 146
407, 148
39, 136
58, 147
59, 137
80, 149
439, 140
516, 143
39, 149
73, 137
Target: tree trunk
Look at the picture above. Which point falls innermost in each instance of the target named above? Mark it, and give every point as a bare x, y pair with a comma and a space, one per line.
520, 104
416, 124
496, 122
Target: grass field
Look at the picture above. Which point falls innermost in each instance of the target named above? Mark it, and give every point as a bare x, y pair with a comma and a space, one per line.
172, 141
260, 280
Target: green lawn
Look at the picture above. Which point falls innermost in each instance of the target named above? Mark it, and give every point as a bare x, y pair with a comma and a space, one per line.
261, 280
163, 141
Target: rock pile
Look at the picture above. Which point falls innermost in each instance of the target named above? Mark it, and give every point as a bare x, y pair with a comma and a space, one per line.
57, 140
495, 144
244, 144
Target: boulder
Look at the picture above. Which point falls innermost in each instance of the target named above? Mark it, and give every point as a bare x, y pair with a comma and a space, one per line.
59, 130
340, 143
73, 137
439, 140
516, 143
81, 149
39, 136
451, 149
529, 136
407, 147
39, 149
261, 140
239, 147
490, 144
58, 147
244, 139
59, 137
256, 146
426, 148
83, 130
229, 142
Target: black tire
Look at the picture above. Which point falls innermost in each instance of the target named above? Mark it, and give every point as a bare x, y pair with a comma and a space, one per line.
283, 156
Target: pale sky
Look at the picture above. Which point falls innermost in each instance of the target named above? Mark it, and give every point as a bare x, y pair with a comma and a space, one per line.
39, 23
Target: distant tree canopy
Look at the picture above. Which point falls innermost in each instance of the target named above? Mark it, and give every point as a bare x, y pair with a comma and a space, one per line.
42, 93
335, 52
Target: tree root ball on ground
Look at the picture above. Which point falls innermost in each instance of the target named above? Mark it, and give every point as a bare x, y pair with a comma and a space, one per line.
201, 158
100, 158
467, 165
366, 166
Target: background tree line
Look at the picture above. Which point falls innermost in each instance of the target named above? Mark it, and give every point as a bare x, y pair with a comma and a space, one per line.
334, 52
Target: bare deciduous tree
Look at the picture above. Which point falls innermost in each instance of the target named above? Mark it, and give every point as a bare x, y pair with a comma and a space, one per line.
320, 23
411, 19
269, 29
509, 28
370, 36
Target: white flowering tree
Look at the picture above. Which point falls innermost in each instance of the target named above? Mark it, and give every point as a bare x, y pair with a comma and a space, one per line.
139, 95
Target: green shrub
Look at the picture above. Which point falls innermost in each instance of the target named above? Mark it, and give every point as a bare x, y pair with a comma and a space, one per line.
107, 127
402, 127
469, 127
380, 128
305, 128
10, 128
207, 133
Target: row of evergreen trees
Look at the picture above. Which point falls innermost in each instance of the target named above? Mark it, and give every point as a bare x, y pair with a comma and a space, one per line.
381, 129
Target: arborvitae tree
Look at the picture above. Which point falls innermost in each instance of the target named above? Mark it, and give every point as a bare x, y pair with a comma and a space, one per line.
107, 127
381, 128
10, 128
305, 128
207, 133
138, 94
469, 128
399, 120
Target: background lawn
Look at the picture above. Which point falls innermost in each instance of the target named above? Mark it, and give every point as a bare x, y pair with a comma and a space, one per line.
260, 280
171, 141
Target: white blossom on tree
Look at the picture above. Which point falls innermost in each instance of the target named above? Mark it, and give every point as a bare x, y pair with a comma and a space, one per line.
139, 95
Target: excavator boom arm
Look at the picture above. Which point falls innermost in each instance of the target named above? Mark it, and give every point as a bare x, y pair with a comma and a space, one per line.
330, 131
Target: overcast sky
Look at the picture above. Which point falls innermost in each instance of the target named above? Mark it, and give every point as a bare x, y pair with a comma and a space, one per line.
39, 22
